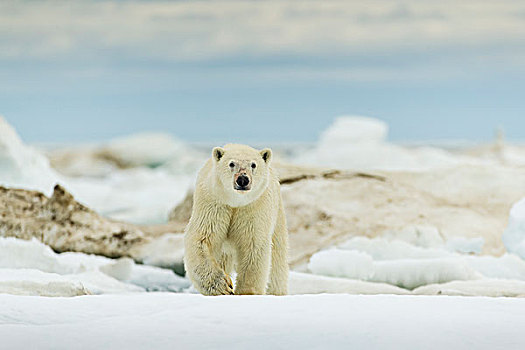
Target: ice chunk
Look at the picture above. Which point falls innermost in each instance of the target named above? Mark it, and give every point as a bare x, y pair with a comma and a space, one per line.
507, 266
382, 249
350, 130
35, 282
98, 282
149, 150
418, 235
485, 287
164, 251
144, 194
20, 165
138, 195
408, 266
155, 279
465, 245
150, 278
404, 273
354, 142
343, 263
21, 254
96, 273
514, 236
306, 283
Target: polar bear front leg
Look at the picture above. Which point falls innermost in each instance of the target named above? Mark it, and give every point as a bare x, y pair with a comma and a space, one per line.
278, 284
204, 271
203, 240
253, 267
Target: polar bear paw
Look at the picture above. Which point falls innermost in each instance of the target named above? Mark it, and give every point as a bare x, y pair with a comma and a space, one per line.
220, 284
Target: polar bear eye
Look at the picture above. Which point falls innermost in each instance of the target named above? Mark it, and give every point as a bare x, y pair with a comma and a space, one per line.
232, 164
254, 165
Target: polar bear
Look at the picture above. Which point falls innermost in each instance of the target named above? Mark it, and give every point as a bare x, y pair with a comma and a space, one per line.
237, 224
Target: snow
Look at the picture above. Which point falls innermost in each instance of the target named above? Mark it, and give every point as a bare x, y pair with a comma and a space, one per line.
184, 321
514, 235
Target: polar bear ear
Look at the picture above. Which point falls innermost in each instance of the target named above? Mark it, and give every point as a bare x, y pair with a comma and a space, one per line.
266, 155
217, 153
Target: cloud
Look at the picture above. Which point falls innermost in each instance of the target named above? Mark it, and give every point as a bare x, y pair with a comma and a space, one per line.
346, 39
211, 30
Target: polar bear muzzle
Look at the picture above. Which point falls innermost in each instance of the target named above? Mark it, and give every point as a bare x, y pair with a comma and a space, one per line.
241, 182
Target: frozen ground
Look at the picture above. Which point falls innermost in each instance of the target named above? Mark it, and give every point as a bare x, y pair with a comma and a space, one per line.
185, 321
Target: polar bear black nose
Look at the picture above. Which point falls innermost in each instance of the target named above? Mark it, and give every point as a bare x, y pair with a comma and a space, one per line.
243, 181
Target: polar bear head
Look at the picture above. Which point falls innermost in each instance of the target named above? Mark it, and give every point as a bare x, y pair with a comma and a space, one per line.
241, 173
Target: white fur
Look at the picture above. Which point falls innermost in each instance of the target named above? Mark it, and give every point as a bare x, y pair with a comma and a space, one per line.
237, 230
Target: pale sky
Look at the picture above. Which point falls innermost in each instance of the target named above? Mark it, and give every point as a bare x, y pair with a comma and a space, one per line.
261, 71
